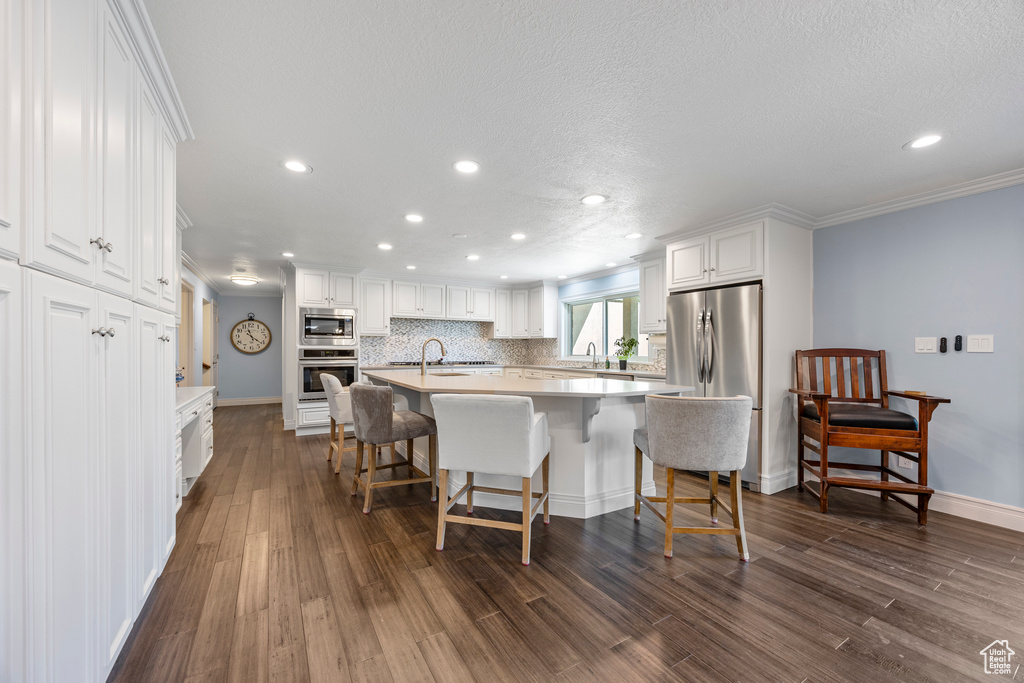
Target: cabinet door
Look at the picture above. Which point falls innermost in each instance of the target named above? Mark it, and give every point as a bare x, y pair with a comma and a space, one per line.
481, 304
502, 313
149, 258
374, 307
520, 304
535, 310
458, 303
653, 294
406, 302
115, 264
343, 290
313, 288
11, 133
737, 253
432, 300
118, 457
688, 263
168, 226
62, 180
64, 477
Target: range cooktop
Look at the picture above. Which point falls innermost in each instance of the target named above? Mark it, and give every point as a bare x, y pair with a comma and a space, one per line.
447, 362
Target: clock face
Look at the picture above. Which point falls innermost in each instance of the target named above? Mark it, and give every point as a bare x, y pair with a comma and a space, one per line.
250, 336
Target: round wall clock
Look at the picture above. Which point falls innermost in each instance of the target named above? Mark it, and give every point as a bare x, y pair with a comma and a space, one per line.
250, 335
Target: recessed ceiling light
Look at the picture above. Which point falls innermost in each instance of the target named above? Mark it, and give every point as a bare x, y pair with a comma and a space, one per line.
466, 166
518, 236
562, 277
244, 280
503, 277
297, 166
414, 218
594, 199
473, 257
383, 245
287, 254
610, 265
459, 236
410, 267
634, 236
923, 141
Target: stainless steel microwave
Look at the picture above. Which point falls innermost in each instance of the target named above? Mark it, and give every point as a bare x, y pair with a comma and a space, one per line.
328, 327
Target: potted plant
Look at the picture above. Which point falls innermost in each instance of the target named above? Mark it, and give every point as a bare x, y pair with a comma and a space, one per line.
624, 348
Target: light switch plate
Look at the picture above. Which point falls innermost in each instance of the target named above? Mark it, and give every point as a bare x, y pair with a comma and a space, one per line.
980, 343
926, 345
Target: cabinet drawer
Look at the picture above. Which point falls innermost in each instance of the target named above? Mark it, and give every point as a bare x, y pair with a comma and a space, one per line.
177, 487
313, 416
533, 374
555, 375
513, 373
496, 372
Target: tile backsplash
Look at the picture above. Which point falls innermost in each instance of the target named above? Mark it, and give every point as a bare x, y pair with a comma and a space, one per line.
468, 340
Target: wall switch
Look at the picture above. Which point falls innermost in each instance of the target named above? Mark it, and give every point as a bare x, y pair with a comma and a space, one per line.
925, 345
980, 343
904, 462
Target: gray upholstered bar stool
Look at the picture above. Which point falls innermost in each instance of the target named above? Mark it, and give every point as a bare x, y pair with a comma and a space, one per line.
339, 404
484, 434
376, 423
698, 434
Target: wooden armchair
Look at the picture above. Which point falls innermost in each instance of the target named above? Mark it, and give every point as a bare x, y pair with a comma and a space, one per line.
838, 406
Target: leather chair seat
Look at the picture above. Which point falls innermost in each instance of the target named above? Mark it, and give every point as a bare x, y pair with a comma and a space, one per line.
861, 415
407, 424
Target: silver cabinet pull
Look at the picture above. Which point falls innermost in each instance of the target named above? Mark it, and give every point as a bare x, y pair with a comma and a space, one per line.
110, 331
163, 281
195, 412
100, 331
108, 246
98, 241
164, 338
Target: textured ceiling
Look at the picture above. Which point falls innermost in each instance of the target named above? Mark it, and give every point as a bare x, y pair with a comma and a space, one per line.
681, 112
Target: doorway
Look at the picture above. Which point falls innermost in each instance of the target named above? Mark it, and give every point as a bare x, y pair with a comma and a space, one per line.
186, 335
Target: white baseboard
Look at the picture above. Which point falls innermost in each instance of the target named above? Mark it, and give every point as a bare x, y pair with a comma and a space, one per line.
260, 400
289, 425
777, 482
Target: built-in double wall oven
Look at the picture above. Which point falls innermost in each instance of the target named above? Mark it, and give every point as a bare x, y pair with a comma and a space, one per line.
342, 363
327, 327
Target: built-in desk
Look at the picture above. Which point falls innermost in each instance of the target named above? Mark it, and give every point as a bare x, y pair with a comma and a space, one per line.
193, 445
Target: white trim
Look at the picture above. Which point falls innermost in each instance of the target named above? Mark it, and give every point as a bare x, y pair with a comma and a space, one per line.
776, 211
255, 401
181, 218
259, 294
597, 274
187, 261
777, 482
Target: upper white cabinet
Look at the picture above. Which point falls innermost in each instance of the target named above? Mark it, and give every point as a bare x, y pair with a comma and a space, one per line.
418, 300
724, 256
374, 317
653, 295
11, 142
502, 314
325, 288
170, 247
147, 289
520, 309
470, 303
543, 311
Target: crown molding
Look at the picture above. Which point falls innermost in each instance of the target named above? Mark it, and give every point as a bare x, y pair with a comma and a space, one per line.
181, 218
187, 261
138, 29
776, 211
258, 294
597, 274
992, 182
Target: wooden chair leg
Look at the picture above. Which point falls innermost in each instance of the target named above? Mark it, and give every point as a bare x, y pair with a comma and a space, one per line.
371, 470
330, 440
527, 504
823, 483
394, 457
432, 464
922, 508
799, 455
469, 493
713, 485
885, 475
544, 485
359, 466
442, 510
670, 501
737, 514
409, 450
638, 473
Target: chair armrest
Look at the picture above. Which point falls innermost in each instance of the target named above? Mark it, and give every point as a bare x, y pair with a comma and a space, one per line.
917, 397
813, 395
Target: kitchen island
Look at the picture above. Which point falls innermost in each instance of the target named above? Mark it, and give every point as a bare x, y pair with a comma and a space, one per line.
590, 420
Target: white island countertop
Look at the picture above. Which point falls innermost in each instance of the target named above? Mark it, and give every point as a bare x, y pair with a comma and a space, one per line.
583, 387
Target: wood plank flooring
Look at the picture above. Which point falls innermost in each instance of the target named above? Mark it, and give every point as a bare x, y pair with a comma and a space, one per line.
278, 576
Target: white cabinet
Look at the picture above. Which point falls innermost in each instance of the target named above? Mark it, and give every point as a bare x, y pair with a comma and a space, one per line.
724, 256
374, 307
148, 194
653, 295
325, 288
552, 374
543, 311
11, 134
418, 300
470, 303
170, 246
513, 373
520, 307
502, 314
533, 373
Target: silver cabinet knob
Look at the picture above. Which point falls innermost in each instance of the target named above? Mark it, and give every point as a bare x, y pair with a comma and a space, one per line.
98, 241
163, 281
108, 246
712, 270
100, 331
110, 331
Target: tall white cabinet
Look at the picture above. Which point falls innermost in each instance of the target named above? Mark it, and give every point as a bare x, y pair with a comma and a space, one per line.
88, 288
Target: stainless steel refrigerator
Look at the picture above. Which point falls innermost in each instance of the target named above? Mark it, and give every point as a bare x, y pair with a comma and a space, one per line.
714, 344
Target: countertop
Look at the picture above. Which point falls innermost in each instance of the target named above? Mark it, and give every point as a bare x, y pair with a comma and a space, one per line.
614, 370
185, 395
583, 387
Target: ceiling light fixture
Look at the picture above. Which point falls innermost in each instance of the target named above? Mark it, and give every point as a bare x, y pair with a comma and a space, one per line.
287, 254
473, 257
610, 265
410, 267
592, 199
383, 245
518, 236
503, 277
923, 141
414, 218
244, 280
297, 166
562, 277
634, 236
466, 166
459, 236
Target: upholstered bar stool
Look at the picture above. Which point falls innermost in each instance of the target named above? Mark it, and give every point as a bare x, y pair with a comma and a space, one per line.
484, 434
377, 423
698, 434
340, 405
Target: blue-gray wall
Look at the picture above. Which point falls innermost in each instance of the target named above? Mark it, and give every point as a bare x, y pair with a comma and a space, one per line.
955, 267
202, 291
242, 375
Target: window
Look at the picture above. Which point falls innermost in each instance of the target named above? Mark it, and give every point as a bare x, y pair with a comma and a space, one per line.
601, 322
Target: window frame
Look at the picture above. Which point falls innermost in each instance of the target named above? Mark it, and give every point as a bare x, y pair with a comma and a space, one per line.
602, 296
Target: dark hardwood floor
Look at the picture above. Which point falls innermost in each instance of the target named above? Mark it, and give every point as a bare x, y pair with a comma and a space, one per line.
277, 575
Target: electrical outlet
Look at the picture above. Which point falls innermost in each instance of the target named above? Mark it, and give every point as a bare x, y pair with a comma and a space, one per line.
904, 462
925, 345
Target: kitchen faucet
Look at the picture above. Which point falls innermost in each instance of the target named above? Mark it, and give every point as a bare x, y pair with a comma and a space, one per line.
423, 355
591, 346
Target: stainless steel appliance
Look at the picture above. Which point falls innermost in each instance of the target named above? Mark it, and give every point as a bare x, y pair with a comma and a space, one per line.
327, 327
342, 363
714, 344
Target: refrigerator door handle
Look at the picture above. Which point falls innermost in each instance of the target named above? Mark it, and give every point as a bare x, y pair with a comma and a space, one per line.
709, 345
699, 342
